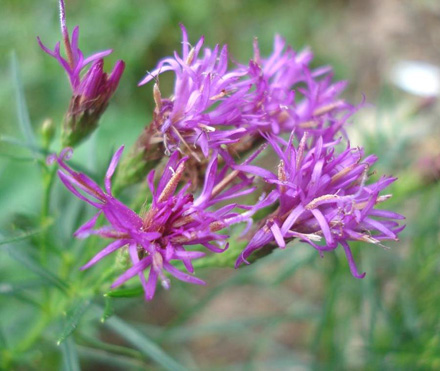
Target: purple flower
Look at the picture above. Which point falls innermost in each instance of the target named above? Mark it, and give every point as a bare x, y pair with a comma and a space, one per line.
90, 91
173, 222
204, 107
323, 199
288, 95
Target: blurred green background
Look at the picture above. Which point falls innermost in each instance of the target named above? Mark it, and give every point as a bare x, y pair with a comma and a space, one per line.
291, 310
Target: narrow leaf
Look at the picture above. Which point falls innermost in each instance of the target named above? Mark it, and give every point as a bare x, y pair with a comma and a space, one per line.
20, 143
72, 319
126, 293
3, 340
22, 110
10, 288
108, 309
21, 237
70, 356
35, 267
143, 343
114, 361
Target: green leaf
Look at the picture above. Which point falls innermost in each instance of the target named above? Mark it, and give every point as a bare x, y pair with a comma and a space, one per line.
3, 340
114, 361
22, 110
143, 343
21, 237
108, 309
72, 319
70, 356
126, 293
12, 288
26, 259
19, 143
17, 158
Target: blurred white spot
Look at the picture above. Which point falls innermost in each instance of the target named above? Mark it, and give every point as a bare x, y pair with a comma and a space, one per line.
419, 78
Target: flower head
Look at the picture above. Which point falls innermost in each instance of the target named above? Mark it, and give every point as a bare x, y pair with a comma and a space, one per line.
173, 222
90, 91
323, 199
204, 108
287, 94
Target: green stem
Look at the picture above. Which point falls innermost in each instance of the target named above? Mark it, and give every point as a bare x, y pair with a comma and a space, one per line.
48, 181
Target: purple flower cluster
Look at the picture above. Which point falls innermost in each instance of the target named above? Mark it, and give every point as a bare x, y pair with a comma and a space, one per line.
318, 192
213, 105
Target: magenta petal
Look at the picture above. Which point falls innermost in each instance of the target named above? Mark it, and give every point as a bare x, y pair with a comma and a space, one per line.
115, 245
140, 266
276, 231
183, 276
87, 229
351, 262
111, 169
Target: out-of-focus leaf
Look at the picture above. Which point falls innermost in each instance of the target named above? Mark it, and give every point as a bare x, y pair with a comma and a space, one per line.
93, 343
35, 267
21, 237
22, 110
113, 360
19, 143
143, 343
126, 293
70, 356
73, 317
3, 340
17, 158
108, 309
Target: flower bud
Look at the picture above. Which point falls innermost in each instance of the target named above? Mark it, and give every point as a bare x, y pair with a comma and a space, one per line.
47, 132
89, 101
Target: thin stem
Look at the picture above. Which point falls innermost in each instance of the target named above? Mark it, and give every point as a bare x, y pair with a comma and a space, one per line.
48, 181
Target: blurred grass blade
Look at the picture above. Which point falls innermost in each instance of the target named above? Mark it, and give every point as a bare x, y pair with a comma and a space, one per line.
12, 288
35, 267
22, 110
19, 143
114, 361
126, 293
108, 309
16, 158
21, 237
143, 343
70, 356
3, 340
72, 319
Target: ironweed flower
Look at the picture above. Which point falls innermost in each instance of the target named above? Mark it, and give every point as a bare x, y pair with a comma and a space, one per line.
287, 94
91, 91
203, 112
323, 199
173, 222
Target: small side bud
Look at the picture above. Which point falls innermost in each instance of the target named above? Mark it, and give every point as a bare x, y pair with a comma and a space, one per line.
48, 130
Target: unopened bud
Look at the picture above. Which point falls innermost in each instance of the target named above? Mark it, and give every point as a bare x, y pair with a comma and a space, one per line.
89, 101
47, 132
